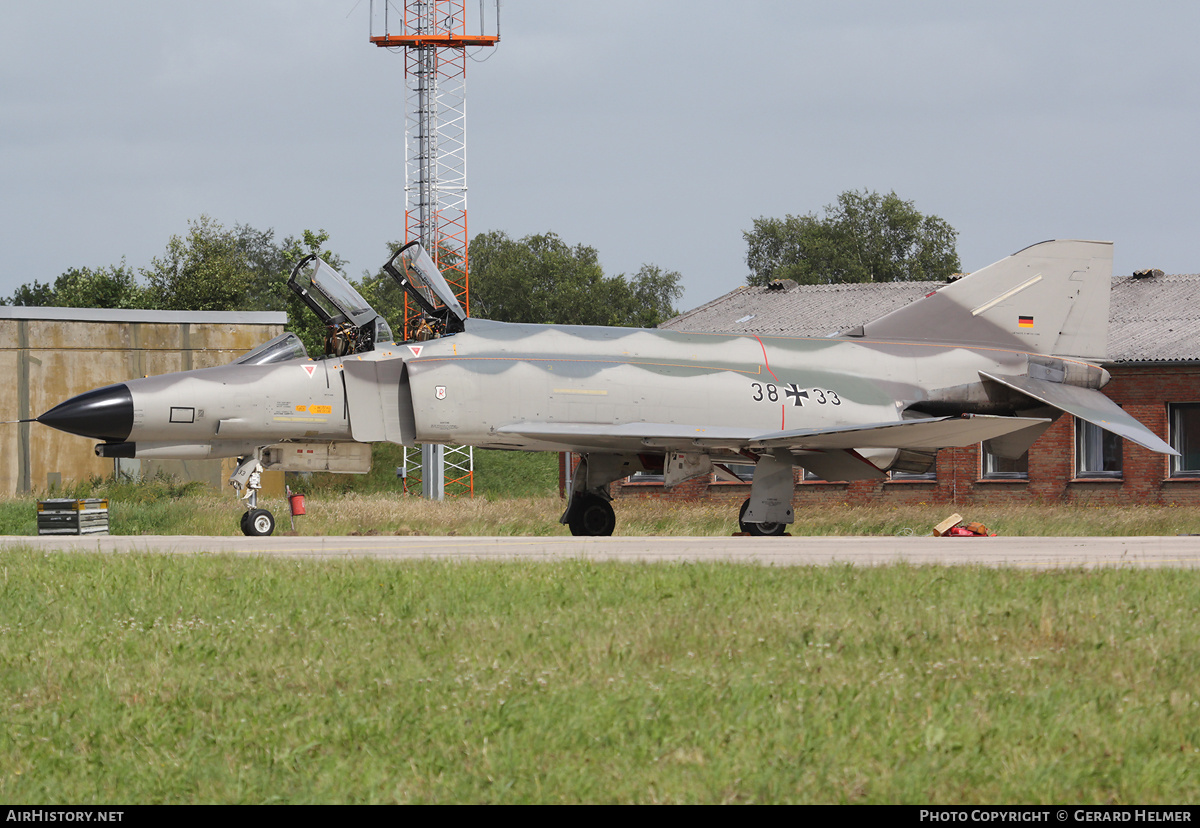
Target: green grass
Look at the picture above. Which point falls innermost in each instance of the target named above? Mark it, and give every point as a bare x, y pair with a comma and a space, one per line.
516, 494
498, 474
142, 678
165, 508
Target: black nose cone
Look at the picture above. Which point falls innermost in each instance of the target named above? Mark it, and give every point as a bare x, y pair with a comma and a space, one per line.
105, 414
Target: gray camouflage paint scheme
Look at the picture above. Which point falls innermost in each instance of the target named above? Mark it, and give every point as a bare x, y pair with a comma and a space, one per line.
957, 367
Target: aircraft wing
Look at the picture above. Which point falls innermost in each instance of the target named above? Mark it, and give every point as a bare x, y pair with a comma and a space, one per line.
632, 436
921, 435
925, 434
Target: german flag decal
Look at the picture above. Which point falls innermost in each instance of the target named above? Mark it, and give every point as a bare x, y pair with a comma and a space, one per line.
1024, 321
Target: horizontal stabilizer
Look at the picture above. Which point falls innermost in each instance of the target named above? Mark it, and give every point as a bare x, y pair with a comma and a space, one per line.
1086, 404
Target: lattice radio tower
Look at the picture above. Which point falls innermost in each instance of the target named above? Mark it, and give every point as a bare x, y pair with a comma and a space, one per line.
433, 36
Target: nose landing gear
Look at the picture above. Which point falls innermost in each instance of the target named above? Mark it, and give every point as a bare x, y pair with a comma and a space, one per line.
247, 479
257, 522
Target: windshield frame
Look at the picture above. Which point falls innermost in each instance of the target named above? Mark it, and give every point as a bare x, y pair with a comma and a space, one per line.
283, 348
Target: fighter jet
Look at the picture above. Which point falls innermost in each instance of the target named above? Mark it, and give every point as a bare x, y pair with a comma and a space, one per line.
995, 356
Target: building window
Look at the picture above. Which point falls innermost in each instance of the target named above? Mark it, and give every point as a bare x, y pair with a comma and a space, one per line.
744, 472
928, 476
1002, 468
1185, 438
1097, 452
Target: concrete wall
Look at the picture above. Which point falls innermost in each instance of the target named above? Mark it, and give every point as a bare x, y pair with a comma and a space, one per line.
48, 355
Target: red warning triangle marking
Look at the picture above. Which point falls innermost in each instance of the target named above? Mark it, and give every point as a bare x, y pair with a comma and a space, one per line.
416, 349
309, 369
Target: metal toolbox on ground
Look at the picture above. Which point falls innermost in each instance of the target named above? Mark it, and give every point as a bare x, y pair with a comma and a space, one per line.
88, 516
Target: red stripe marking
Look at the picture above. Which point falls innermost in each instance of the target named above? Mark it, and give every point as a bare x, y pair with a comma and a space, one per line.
767, 363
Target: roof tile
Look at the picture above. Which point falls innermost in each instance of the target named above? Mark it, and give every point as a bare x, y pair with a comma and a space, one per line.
1150, 319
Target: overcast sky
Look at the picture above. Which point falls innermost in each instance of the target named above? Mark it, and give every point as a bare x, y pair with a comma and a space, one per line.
653, 130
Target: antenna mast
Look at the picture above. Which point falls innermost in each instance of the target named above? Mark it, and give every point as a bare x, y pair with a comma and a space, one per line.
433, 35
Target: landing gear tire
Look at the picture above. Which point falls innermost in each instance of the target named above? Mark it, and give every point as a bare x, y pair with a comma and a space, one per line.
258, 523
591, 516
769, 530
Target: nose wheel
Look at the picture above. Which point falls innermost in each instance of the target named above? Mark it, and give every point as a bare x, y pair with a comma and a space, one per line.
247, 479
257, 523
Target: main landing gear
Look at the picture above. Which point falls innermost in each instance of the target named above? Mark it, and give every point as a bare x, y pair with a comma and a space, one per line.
247, 479
589, 512
590, 515
768, 510
766, 513
759, 529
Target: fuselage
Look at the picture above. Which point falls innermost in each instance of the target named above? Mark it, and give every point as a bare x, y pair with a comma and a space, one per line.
467, 388
602, 385
885, 396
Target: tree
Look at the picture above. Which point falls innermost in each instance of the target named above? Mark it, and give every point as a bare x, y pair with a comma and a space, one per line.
211, 268
267, 264
34, 295
206, 270
214, 268
84, 287
864, 237
542, 279
656, 291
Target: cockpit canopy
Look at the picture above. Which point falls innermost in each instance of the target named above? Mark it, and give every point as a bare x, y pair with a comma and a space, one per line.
287, 346
416, 273
352, 324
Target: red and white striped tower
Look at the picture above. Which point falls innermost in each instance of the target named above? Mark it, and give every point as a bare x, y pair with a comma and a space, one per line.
433, 36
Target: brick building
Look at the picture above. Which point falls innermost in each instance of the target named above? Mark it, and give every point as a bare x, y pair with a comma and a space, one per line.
1154, 359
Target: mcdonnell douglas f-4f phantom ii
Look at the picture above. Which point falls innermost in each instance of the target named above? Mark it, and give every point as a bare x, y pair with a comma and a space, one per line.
995, 356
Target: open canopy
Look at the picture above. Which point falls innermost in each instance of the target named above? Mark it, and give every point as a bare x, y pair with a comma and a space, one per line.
354, 326
415, 271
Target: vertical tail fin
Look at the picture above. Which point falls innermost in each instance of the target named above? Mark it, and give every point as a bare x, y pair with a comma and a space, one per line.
1051, 298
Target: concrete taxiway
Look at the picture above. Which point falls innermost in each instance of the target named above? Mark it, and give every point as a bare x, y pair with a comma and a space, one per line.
1023, 553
